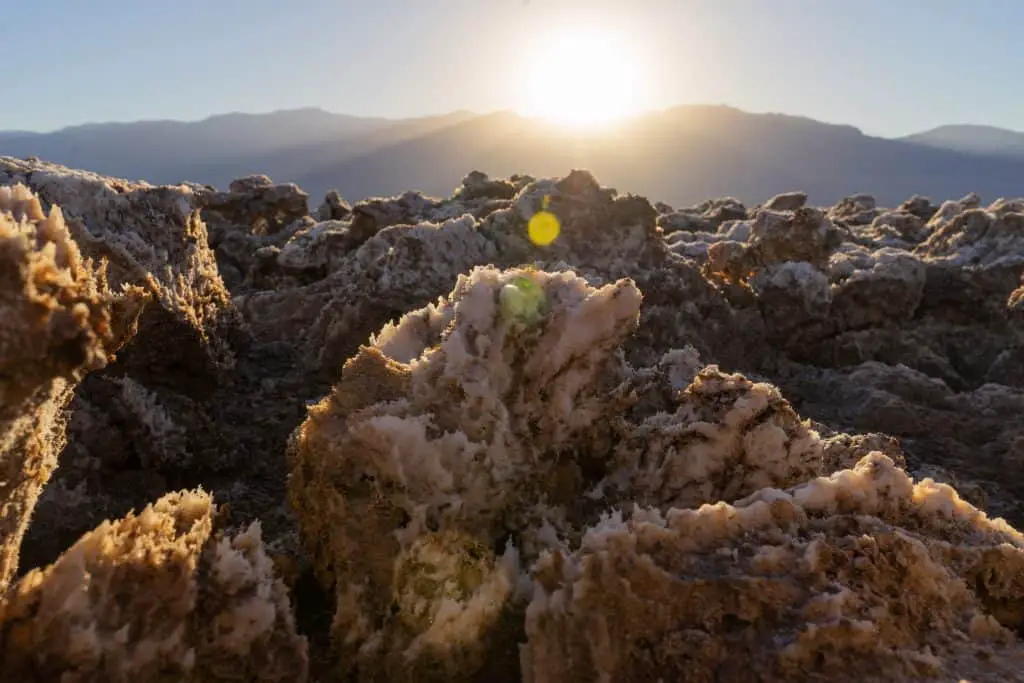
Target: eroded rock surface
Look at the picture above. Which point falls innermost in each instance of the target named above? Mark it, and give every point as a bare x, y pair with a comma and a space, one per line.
60, 321
153, 420
157, 596
432, 427
863, 575
144, 598
685, 444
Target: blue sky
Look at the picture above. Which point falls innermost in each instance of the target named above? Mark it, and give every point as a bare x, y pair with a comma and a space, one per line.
890, 67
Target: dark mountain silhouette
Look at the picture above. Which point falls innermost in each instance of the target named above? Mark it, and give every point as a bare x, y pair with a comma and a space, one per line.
681, 155
986, 140
173, 151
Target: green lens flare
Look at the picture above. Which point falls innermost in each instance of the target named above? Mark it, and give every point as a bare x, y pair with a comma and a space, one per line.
523, 301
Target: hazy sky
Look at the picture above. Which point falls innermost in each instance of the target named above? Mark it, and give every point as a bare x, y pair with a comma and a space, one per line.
890, 67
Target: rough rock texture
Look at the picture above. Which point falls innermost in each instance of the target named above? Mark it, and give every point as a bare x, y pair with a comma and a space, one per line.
515, 422
434, 440
121, 604
862, 573
258, 203
977, 432
440, 386
152, 237
789, 201
334, 208
154, 420
775, 237
253, 215
60, 321
154, 597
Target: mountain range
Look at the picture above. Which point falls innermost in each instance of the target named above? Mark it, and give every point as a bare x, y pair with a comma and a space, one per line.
680, 156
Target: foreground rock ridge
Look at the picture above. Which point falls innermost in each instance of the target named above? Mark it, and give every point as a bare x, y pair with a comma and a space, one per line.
247, 439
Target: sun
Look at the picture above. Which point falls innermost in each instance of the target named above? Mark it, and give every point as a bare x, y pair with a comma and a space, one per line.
580, 77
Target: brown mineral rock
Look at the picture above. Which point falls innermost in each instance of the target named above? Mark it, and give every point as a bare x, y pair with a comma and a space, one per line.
60, 321
156, 596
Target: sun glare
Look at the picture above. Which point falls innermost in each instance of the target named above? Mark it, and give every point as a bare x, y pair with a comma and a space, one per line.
580, 77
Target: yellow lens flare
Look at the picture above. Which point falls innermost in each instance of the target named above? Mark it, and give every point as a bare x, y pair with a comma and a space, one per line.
544, 227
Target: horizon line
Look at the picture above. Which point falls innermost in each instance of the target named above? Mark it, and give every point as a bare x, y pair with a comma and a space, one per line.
477, 113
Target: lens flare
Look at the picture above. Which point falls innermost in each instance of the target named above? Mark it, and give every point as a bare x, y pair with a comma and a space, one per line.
543, 228
522, 300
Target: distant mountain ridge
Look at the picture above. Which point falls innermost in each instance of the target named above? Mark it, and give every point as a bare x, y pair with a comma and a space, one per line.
973, 139
681, 155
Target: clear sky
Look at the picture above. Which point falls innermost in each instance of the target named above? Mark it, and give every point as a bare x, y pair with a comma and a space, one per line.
890, 67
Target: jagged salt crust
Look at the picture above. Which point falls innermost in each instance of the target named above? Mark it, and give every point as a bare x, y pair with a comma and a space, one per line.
454, 486
157, 596
59, 322
453, 432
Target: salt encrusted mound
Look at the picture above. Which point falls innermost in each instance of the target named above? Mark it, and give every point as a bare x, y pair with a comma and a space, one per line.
725, 437
436, 428
156, 596
60, 321
975, 236
896, 329
977, 432
152, 237
397, 265
788, 201
477, 440
481, 435
121, 604
863, 575
260, 205
775, 237
154, 420
599, 228
604, 237
858, 209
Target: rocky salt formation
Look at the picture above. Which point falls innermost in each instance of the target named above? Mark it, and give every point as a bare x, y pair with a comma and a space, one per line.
167, 598
851, 312
863, 575
610, 496
152, 421
423, 248
138, 599
253, 216
606, 236
497, 459
152, 238
441, 386
435, 445
60, 322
